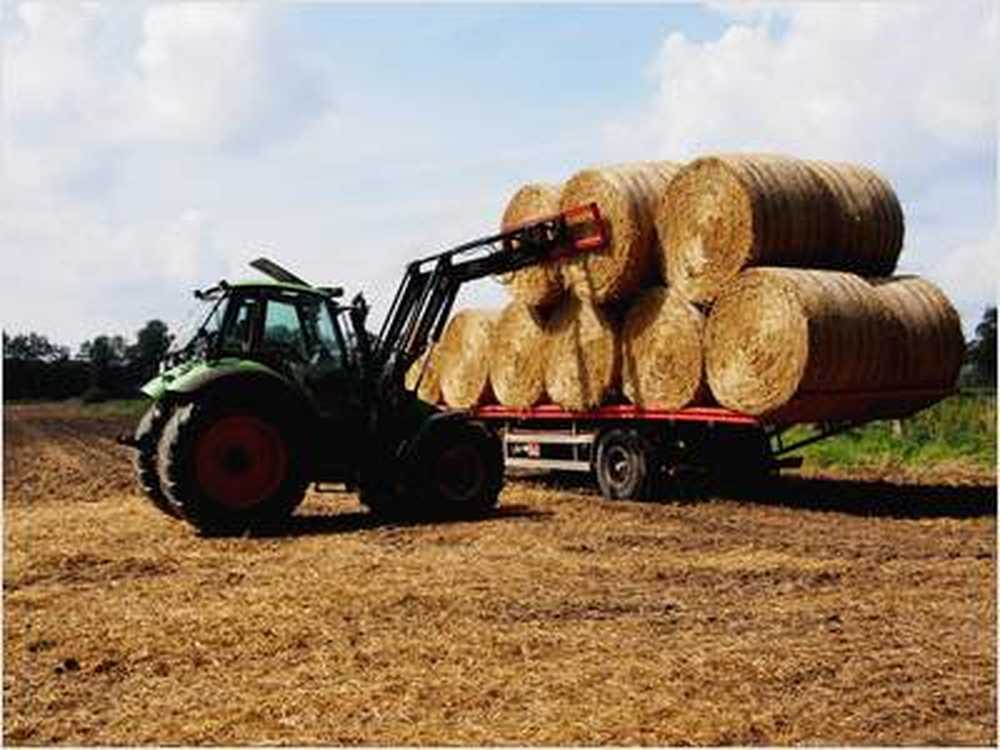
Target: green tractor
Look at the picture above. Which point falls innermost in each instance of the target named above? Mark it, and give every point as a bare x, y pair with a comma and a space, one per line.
282, 385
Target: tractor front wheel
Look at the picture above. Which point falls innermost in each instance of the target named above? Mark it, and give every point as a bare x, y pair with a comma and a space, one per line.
229, 468
458, 468
146, 441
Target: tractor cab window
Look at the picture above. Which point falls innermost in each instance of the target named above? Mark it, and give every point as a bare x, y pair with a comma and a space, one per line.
282, 335
237, 338
323, 338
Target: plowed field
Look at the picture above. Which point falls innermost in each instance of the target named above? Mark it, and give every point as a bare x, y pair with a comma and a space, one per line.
825, 610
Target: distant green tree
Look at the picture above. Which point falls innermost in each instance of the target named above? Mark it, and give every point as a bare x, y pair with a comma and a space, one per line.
152, 342
33, 347
981, 353
107, 355
35, 368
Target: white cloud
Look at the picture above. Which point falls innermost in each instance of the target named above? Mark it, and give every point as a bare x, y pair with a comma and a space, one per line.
94, 94
910, 88
193, 73
202, 73
887, 82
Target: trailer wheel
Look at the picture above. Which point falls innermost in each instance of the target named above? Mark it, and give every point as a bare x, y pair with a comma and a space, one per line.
144, 461
625, 465
458, 468
228, 468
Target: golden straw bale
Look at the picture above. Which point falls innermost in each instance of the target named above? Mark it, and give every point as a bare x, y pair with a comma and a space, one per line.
542, 283
430, 384
724, 213
583, 355
464, 358
869, 233
662, 351
517, 356
628, 196
933, 347
827, 345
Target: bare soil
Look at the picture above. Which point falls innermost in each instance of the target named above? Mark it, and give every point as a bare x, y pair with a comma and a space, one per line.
813, 610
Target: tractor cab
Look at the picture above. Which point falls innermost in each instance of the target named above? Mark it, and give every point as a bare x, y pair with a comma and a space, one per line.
284, 326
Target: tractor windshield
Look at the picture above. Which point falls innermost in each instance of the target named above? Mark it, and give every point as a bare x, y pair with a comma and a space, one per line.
198, 332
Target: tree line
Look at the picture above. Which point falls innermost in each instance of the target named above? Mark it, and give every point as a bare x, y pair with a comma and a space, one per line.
108, 366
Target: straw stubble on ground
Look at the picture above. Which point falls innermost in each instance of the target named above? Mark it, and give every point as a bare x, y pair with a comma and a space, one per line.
813, 611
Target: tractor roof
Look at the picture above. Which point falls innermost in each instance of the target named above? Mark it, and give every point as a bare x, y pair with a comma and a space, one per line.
269, 284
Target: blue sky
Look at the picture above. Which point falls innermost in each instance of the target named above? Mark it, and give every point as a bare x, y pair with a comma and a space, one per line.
149, 148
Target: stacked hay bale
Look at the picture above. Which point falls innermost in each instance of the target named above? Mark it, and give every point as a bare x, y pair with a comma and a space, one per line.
662, 351
517, 356
424, 376
839, 341
759, 282
540, 285
463, 364
722, 214
628, 196
560, 338
806, 346
583, 356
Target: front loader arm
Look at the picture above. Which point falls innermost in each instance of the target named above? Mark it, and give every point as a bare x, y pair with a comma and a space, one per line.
425, 297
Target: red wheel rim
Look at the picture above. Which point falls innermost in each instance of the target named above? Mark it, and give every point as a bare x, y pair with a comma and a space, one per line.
241, 460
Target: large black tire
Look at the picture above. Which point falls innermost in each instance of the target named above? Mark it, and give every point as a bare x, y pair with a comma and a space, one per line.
144, 461
626, 466
454, 469
229, 468
458, 469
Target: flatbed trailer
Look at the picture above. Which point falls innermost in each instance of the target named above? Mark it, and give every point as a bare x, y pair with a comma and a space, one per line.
632, 451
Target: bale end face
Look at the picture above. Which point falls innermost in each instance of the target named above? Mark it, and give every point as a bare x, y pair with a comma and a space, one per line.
464, 358
542, 284
517, 357
705, 226
627, 195
756, 344
583, 357
662, 351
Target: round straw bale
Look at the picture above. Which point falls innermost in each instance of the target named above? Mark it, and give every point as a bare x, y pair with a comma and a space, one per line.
933, 346
628, 196
661, 351
517, 356
724, 213
464, 358
869, 230
429, 389
806, 339
540, 284
583, 355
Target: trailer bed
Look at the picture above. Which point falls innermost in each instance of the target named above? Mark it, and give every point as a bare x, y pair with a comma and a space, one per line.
630, 449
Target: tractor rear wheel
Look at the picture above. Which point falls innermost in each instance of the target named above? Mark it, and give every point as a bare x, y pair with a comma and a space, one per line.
228, 467
144, 461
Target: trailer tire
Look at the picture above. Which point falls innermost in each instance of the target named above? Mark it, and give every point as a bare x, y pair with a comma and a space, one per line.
626, 465
144, 462
229, 467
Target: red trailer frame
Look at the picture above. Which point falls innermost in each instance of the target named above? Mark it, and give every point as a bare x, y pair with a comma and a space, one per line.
630, 449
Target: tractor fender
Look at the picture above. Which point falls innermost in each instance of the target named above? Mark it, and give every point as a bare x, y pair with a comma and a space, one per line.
238, 381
